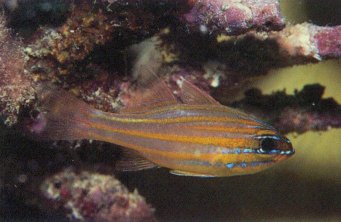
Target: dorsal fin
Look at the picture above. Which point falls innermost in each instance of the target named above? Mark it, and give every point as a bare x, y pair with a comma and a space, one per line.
150, 95
190, 94
132, 161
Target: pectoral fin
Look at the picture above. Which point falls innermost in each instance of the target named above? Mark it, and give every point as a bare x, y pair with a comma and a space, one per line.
133, 161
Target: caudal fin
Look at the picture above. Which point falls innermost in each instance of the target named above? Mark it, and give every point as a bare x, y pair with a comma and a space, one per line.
62, 116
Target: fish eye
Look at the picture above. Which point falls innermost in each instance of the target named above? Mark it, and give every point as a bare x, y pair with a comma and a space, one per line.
273, 144
57, 184
268, 144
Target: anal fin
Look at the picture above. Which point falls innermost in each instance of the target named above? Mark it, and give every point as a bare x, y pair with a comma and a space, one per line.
133, 161
184, 173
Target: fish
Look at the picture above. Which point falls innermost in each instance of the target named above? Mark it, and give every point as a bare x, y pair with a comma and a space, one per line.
193, 135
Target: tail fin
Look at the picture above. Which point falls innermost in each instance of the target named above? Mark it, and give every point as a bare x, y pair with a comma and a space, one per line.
62, 116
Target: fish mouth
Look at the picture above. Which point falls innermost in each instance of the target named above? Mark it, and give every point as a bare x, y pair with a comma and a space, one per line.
287, 152
284, 154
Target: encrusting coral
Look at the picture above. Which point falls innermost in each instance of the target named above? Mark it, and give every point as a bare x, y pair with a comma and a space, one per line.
234, 17
16, 86
94, 197
96, 53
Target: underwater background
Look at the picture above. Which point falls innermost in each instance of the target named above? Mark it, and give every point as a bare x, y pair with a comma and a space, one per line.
307, 187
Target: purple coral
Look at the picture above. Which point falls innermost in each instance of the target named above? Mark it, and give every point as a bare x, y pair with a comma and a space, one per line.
87, 196
235, 17
328, 41
16, 86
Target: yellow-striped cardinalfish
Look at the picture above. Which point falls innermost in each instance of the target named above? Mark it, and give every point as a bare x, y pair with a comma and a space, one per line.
196, 136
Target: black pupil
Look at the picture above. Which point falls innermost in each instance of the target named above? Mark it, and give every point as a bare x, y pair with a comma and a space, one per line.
57, 184
268, 144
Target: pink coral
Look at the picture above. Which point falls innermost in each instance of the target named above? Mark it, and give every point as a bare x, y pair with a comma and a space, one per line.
235, 17
16, 87
90, 196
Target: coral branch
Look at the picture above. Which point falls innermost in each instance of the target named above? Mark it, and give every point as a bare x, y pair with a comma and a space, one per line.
306, 110
215, 16
298, 44
234, 17
328, 41
310, 41
240, 58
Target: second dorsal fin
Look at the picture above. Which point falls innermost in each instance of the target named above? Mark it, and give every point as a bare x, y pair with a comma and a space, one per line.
150, 95
191, 94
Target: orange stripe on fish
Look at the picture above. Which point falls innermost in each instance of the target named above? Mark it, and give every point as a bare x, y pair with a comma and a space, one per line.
230, 129
218, 141
178, 120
